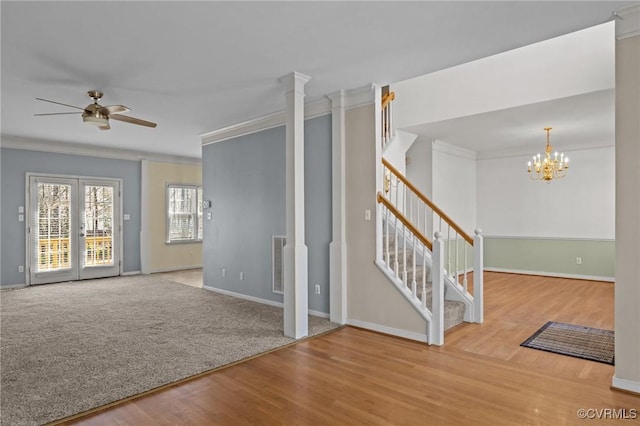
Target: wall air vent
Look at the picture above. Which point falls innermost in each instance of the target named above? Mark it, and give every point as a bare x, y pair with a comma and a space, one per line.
277, 262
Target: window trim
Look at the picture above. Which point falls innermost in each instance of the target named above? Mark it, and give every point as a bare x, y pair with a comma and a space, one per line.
195, 239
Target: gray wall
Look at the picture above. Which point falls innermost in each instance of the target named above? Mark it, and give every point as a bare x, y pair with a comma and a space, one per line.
15, 163
244, 178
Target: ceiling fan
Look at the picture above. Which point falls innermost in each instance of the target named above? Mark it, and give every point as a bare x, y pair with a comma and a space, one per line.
98, 115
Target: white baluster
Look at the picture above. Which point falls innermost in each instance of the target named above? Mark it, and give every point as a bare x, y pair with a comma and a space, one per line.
424, 276
449, 249
404, 255
390, 120
478, 279
395, 262
386, 252
464, 280
457, 267
414, 288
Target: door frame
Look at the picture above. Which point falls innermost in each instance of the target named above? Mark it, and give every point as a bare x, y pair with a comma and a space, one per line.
28, 212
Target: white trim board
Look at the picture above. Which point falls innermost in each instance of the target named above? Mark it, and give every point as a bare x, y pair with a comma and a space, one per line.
13, 286
175, 268
552, 274
525, 237
259, 300
450, 149
126, 274
411, 335
16, 142
315, 108
626, 385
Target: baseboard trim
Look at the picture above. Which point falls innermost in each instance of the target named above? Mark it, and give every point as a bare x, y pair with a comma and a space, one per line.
174, 268
625, 385
126, 274
552, 274
13, 286
259, 300
411, 335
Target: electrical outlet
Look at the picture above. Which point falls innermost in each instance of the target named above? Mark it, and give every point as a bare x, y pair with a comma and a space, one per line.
367, 215
20, 268
317, 288
578, 261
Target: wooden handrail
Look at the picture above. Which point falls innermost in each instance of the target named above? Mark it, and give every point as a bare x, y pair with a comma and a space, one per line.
386, 99
428, 202
382, 199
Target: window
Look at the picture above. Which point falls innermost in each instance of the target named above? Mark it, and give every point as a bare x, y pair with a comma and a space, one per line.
184, 213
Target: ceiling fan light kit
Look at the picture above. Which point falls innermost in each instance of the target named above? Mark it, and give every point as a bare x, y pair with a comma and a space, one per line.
98, 115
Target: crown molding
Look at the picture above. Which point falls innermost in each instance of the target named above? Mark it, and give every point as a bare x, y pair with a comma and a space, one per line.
447, 148
18, 142
627, 21
313, 108
528, 151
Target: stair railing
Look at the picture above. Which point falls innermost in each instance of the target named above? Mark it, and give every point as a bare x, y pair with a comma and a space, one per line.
415, 246
387, 129
462, 254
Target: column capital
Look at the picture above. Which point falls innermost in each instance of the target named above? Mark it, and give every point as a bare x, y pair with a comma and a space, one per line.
294, 82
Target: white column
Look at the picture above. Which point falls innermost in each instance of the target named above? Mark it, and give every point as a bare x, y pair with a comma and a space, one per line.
436, 336
338, 246
145, 214
296, 277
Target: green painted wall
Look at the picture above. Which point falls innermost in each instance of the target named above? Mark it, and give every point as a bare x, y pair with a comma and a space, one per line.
551, 255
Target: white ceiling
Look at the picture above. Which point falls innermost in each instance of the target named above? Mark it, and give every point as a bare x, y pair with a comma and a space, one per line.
577, 121
195, 67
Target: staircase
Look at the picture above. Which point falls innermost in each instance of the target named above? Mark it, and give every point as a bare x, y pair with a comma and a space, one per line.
453, 309
432, 275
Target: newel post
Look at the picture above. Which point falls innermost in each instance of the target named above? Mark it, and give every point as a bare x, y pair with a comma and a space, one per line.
436, 335
478, 277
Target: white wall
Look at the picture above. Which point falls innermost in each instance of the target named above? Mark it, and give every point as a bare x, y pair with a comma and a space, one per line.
454, 183
496, 82
581, 205
419, 162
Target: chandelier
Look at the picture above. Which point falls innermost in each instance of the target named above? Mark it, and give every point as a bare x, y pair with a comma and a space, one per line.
548, 167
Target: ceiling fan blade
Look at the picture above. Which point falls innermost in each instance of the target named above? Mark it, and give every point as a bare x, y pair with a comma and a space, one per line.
132, 120
59, 113
105, 127
59, 103
114, 109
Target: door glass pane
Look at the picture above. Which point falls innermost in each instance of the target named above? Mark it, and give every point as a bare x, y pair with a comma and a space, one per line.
53, 227
98, 226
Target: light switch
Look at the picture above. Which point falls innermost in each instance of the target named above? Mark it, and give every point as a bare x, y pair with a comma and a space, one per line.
367, 215
20, 218
126, 216
20, 209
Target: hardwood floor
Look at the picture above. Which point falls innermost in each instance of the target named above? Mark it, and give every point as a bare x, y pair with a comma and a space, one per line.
352, 376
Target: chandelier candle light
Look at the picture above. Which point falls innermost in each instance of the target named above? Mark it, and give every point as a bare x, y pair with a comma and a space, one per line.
548, 168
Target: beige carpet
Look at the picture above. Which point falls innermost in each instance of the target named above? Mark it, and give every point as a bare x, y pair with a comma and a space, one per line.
66, 348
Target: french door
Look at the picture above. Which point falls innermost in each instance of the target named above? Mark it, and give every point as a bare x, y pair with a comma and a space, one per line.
74, 229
